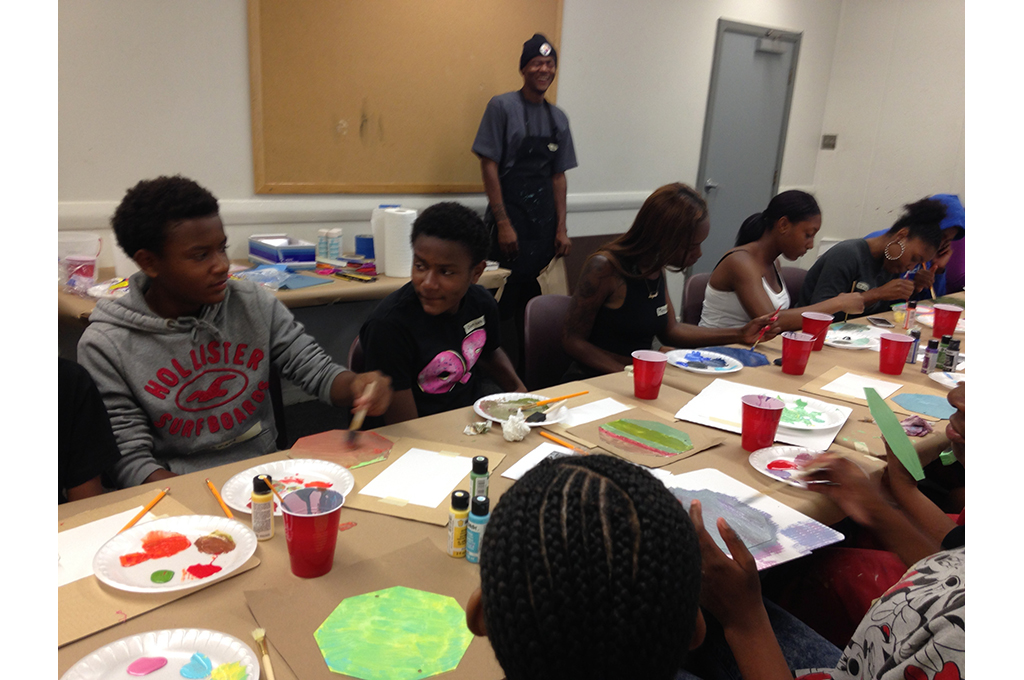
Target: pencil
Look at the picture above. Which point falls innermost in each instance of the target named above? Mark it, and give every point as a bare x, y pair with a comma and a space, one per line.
562, 442
142, 513
216, 494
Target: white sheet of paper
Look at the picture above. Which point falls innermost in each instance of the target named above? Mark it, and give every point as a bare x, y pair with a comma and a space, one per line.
852, 385
76, 547
420, 477
524, 464
718, 405
595, 410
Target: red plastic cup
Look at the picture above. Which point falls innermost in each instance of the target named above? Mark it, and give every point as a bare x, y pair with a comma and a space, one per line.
893, 355
796, 350
311, 529
946, 317
816, 324
761, 416
648, 370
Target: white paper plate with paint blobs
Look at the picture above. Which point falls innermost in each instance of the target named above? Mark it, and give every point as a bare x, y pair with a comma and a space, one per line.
703, 361
803, 413
287, 476
780, 462
190, 653
174, 553
498, 407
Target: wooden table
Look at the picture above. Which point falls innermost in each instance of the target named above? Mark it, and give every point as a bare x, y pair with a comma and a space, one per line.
223, 607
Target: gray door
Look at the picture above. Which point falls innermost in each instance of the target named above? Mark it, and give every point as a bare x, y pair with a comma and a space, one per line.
744, 128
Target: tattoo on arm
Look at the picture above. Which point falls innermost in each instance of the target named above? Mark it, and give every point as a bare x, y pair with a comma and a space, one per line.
498, 211
588, 297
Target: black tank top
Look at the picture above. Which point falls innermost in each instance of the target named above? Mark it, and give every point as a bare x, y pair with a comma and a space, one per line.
633, 325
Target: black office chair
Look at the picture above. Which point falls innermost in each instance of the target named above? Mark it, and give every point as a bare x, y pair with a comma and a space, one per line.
355, 357
794, 278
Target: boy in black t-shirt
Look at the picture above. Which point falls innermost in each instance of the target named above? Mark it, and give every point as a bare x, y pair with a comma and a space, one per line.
438, 333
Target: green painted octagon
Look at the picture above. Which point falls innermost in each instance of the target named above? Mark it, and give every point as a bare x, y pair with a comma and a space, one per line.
394, 634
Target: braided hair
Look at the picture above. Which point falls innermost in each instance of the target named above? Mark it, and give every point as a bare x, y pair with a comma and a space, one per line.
589, 568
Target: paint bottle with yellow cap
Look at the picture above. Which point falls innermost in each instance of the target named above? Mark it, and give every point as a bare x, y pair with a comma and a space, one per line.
458, 515
262, 508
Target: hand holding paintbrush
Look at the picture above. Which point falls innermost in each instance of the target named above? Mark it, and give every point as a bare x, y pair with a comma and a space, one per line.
771, 320
360, 415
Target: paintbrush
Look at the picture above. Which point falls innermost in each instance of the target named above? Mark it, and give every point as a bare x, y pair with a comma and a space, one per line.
142, 513
774, 317
846, 315
260, 636
360, 415
541, 416
552, 400
271, 485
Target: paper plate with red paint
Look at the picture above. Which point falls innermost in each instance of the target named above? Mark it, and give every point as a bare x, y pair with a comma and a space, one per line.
287, 475
174, 553
780, 462
178, 653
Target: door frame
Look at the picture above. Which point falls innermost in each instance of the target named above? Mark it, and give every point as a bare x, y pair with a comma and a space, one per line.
725, 25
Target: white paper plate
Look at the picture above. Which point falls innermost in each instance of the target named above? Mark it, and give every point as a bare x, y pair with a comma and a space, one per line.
293, 474
813, 411
177, 646
784, 459
677, 358
947, 379
851, 338
137, 578
556, 416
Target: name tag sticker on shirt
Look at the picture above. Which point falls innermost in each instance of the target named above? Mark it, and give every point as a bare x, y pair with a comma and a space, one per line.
663, 310
863, 286
474, 324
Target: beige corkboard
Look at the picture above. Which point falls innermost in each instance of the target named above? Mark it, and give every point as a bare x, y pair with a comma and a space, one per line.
384, 96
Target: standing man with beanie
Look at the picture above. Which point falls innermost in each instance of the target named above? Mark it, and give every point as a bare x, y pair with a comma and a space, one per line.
525, 147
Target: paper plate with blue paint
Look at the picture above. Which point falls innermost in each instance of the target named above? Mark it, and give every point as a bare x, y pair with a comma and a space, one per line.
182, 648
852, 336
703, 361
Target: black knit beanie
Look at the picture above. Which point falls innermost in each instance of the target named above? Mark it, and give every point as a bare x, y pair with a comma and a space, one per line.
537, 46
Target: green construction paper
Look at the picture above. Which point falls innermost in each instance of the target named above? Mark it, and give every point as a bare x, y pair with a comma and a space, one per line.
947, 457
894, 434
394, 634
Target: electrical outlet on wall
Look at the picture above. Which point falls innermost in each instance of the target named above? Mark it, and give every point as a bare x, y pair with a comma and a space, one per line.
828, 142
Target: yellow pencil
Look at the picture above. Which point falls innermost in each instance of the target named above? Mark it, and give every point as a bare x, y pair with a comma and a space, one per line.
562, 442
142, 513
216, 494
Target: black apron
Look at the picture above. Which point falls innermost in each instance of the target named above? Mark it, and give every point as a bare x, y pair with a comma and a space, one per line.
528, 194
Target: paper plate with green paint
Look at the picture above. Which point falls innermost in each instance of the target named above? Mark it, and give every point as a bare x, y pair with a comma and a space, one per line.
852, 336
804, 413
397, 633
498, 407
226, 657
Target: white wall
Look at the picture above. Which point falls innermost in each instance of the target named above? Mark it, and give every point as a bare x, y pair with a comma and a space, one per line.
149, 87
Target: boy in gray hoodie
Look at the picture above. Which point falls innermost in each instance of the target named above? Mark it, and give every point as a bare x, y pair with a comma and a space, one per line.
183, 360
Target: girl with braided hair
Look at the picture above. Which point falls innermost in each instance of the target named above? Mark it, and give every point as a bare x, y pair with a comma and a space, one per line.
590, 568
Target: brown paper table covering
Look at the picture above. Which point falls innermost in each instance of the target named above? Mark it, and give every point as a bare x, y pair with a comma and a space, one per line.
291, 615
222, 606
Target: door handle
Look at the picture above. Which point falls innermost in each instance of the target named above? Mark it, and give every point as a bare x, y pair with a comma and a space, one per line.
710, 184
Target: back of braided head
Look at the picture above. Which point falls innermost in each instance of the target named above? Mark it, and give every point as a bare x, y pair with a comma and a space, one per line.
589, 568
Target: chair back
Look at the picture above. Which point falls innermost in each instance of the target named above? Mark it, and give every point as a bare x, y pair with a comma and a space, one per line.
545, 359
794, 278
693, 297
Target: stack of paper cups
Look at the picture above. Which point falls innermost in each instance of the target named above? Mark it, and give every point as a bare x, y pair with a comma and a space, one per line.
379, 237
397, 247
